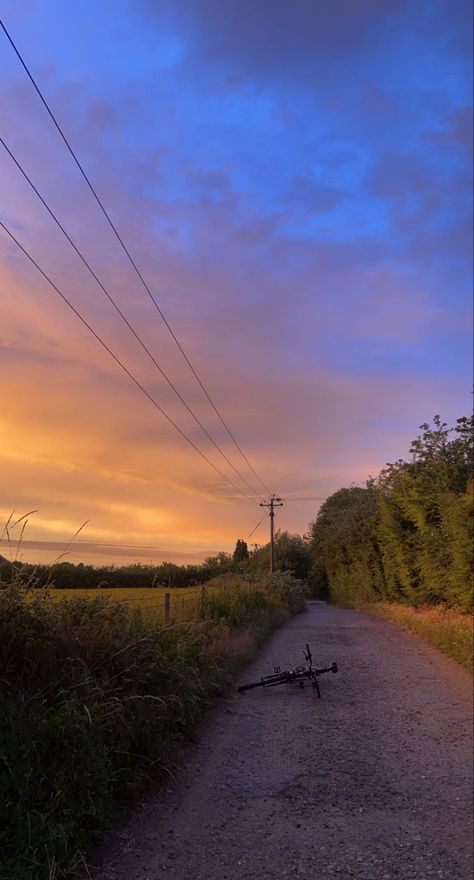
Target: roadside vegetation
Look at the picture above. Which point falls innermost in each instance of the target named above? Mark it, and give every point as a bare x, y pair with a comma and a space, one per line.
97, 696
184, 602
402, 546
445, 628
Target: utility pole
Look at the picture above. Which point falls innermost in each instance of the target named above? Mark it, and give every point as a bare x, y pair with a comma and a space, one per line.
271, 504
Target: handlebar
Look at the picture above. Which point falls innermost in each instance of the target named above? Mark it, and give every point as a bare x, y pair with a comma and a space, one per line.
333, 667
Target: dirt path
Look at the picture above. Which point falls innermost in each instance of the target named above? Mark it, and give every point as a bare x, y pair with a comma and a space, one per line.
373, 781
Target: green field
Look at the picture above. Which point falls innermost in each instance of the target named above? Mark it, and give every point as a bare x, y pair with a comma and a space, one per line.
185, 602
150, 599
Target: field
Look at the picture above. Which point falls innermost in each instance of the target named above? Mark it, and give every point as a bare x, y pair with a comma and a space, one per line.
150, 600
185, 602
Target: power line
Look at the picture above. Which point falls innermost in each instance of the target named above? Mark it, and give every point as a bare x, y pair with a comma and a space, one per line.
127, 252
122, 365
123, 316
302, 500
255, 529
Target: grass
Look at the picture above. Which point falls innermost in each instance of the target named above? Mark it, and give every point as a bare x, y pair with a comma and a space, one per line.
445, 628
98, 695
185, 602
149, 600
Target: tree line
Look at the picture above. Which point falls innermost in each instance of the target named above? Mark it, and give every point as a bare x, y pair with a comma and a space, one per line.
291, 552
406, 535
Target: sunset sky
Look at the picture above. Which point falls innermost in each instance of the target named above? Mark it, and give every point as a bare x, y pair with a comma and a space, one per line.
293, 179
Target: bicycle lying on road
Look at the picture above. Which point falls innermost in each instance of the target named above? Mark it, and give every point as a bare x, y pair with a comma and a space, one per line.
298, 676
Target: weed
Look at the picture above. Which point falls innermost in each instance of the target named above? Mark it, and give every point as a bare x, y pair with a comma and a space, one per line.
96, 696
447, 629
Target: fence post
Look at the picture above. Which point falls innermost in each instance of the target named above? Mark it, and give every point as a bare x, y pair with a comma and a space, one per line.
167, 608
203, 601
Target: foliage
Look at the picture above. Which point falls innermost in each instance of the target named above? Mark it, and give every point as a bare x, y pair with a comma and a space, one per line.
95, 697
288, 590
426, 518
406, 536
241, 551
346, 556
292, 554
68, 576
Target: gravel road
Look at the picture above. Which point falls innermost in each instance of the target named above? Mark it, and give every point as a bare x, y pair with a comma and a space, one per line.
372, 781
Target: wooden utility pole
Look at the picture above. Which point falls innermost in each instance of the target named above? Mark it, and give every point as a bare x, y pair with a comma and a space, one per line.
271, 504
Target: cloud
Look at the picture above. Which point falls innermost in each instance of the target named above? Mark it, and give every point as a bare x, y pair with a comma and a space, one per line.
48, 552
271, 36
454, 130
291, 179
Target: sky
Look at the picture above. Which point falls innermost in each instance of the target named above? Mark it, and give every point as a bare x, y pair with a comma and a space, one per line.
293, 180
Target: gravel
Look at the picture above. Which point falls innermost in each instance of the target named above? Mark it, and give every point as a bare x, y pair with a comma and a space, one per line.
372, 781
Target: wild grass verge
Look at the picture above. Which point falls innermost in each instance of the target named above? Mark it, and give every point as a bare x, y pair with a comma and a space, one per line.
447, 629
95, 699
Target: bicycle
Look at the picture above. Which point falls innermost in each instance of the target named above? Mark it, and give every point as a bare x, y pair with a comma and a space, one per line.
298, 676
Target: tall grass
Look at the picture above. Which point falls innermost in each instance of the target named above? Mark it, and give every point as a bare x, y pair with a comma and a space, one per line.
447, 629
96, 698
184, 601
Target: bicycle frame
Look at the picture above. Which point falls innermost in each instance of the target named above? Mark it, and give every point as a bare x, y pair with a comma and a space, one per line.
293, 676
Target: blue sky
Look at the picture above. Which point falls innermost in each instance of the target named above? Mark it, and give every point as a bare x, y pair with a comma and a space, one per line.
294, 179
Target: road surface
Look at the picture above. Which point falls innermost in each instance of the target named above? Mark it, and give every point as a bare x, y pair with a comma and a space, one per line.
372, 781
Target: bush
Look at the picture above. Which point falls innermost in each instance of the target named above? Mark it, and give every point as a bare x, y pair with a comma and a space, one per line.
406, 536
94, 701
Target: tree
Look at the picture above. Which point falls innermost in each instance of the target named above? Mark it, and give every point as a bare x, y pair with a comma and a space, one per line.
344, 546
215, 565
241, 552
426, 517
407, 536
292, 554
